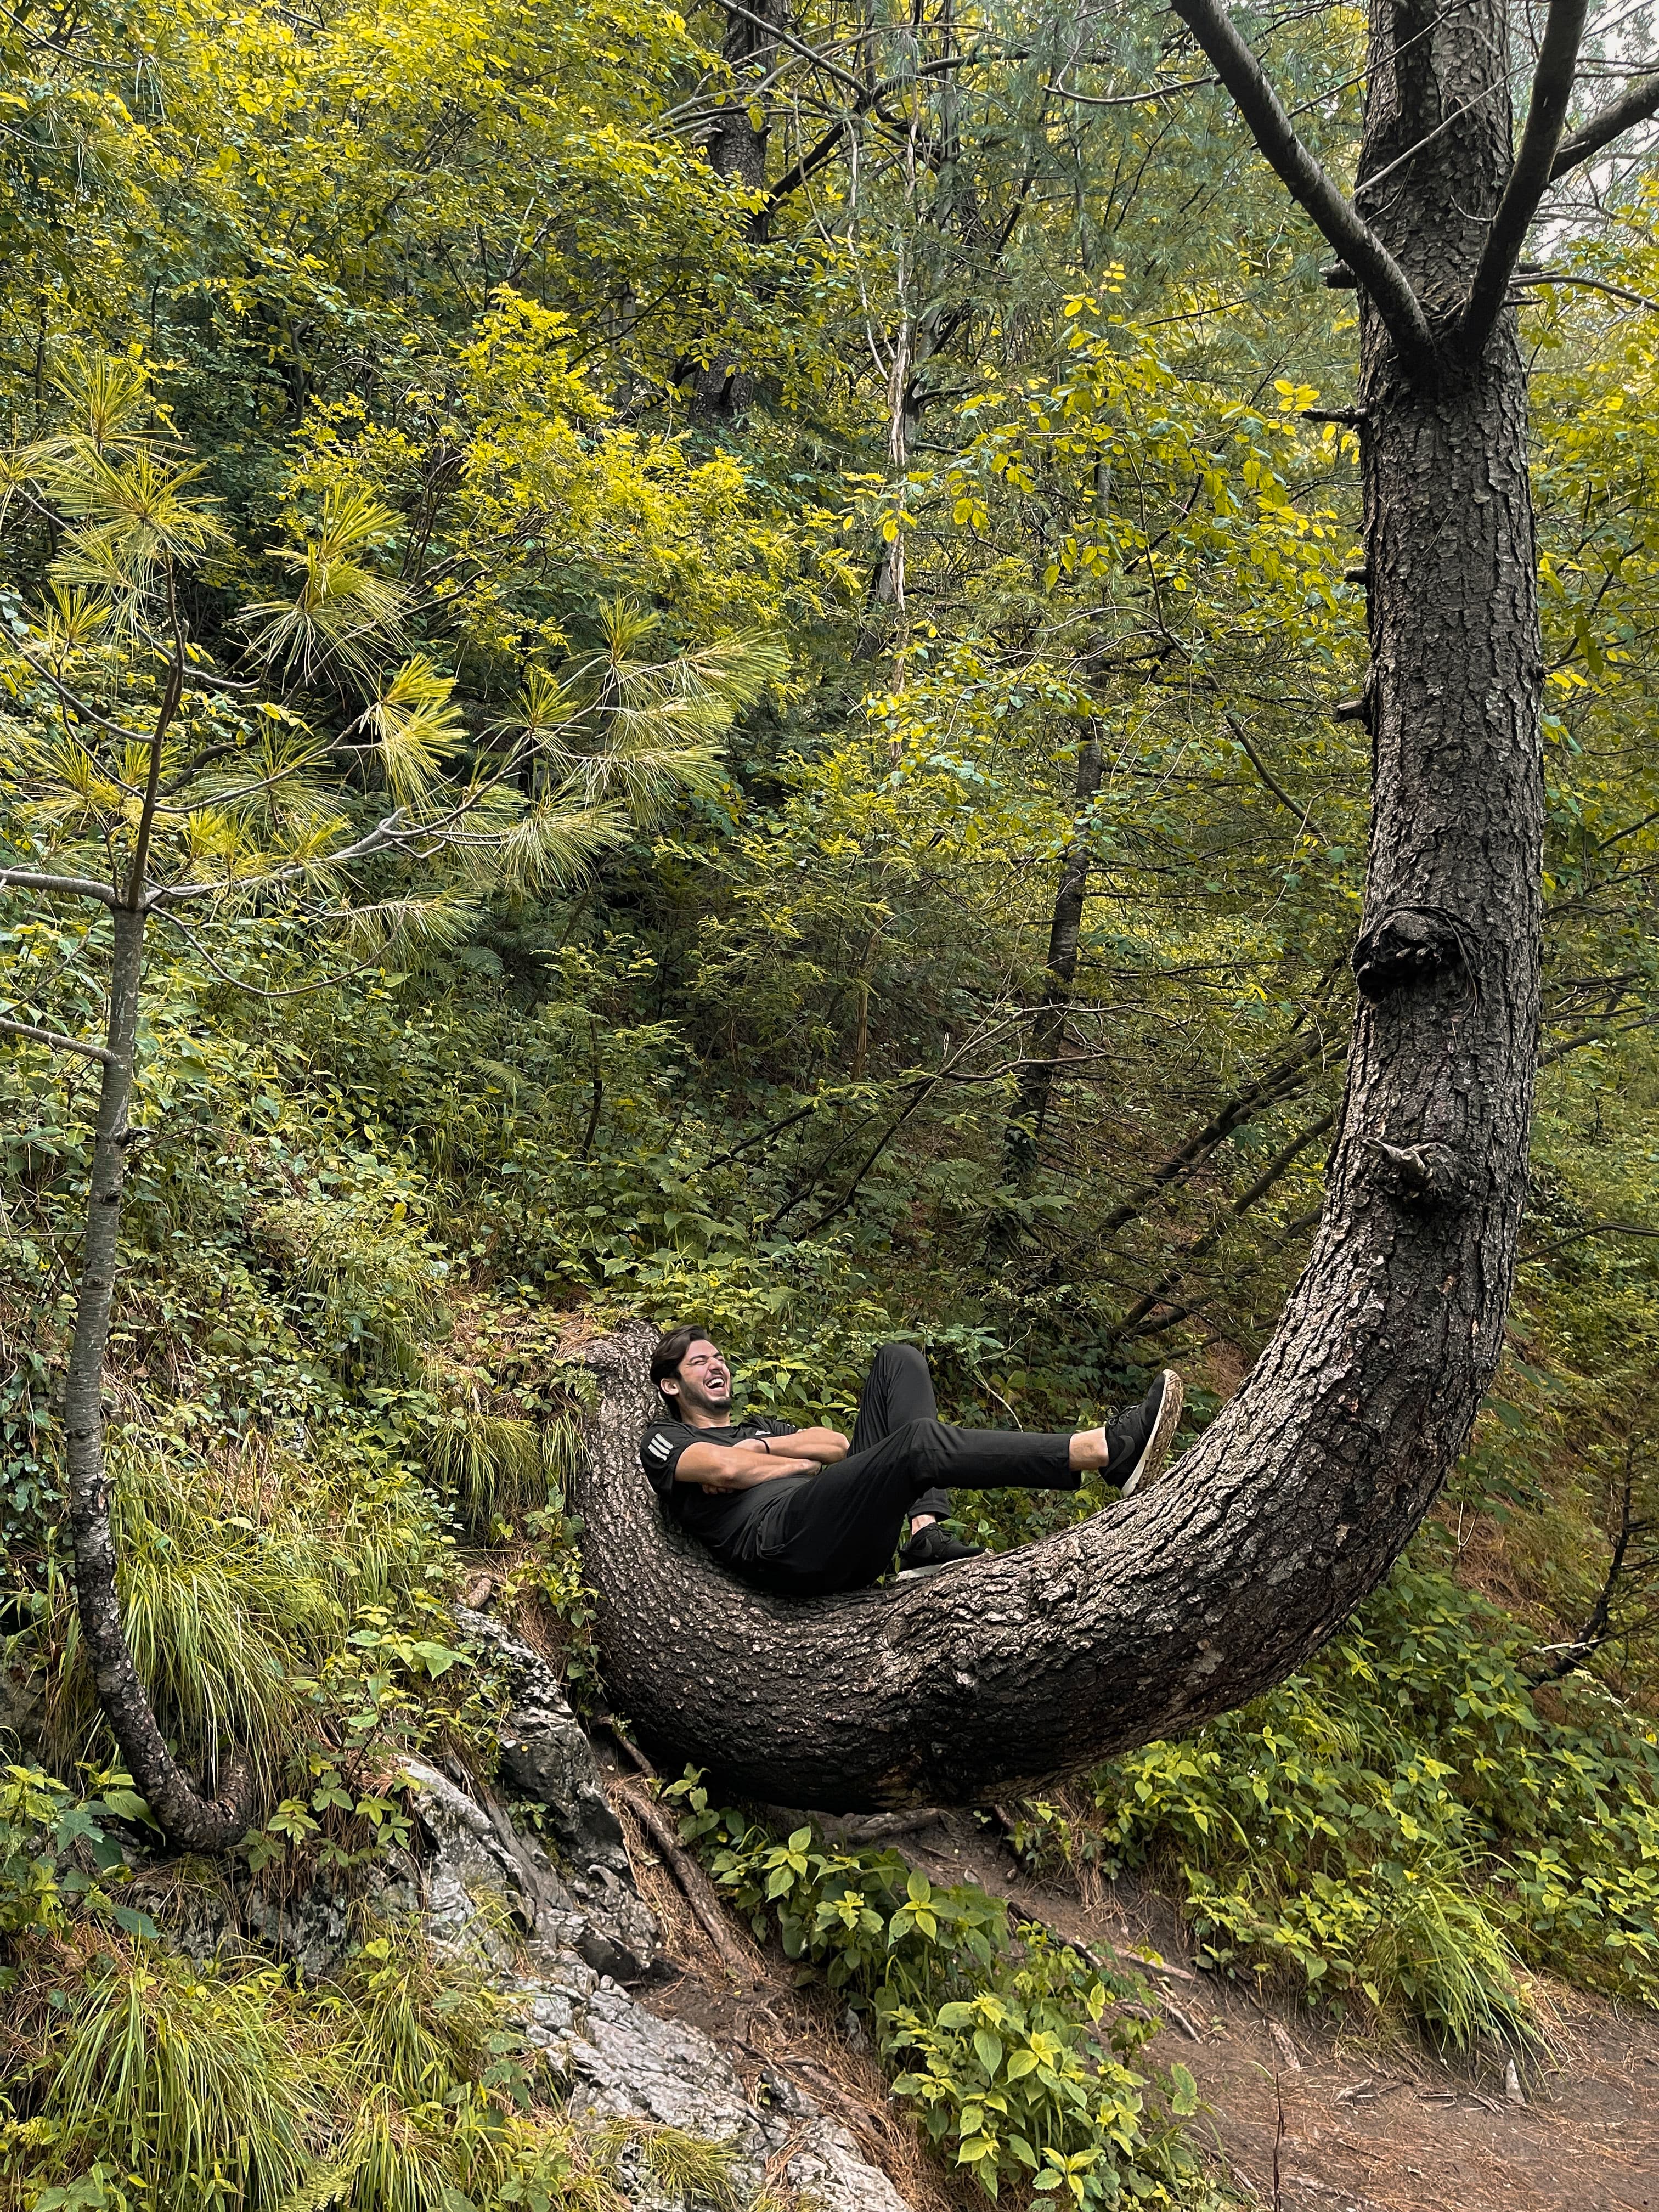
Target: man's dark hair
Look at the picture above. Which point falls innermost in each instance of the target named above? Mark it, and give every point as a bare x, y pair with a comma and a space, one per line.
672, 1348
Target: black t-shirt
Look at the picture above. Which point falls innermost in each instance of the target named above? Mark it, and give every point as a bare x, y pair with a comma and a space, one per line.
730, 1521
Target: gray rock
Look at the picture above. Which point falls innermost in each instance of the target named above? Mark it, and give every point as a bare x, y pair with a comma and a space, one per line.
831, 2172
618, 2057
558, 1943
313, 1927
483, 1873
622, 2059
545, 1754
24, 1707
475, 1885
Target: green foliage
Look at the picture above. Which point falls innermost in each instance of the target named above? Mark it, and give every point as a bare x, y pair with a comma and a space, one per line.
58, 1857
1406, 1824
1013, 2052
398, 2087
1023, 2076
494, 1465
252, 1590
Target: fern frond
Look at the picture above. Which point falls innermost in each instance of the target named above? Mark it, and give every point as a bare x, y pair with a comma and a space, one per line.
325, 2187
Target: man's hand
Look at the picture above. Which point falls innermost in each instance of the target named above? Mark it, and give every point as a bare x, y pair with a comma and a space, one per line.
824, 1447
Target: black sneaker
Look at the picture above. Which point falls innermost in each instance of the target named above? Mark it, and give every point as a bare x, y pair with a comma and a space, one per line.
931, 1549
1138, 1440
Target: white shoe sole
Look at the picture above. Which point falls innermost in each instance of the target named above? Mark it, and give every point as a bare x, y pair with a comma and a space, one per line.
1155, 1452
939, 1567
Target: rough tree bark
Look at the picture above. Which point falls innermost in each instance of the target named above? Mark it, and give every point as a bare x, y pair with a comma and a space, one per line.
737, 150
1011, 1671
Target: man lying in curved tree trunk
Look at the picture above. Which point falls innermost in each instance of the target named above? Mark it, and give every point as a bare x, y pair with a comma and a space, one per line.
800, 1512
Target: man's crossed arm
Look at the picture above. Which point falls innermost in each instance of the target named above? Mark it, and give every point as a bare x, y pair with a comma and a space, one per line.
759, 1459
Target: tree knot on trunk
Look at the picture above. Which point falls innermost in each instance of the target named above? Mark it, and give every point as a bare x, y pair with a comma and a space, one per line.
1429, 1172
1412, 945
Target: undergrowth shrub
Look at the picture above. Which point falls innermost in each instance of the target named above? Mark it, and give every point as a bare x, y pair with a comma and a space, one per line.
60, 1855
501, 1469
1015, 2054
132, 2079
241, 1581
1407, 1823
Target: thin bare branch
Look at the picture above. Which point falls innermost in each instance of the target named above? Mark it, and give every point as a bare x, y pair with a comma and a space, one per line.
1591, 284
1133, 99
31, 879
257, 990
1367, 185
788, 39
1637, 103
57, 1040
1261, 769
1309, 183
1578, 1236
1529, 176
84, 712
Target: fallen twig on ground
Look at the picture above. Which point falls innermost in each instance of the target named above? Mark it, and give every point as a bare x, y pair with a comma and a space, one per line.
695, 1884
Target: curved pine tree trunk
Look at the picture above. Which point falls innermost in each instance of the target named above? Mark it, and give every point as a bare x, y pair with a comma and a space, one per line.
1007, 1672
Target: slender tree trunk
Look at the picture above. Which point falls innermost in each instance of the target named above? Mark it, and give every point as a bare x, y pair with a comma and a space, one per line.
724, 391
186, 1817
1037, 1077
1011, 1671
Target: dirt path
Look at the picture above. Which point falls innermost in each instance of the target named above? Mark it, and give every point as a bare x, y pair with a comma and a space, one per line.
1355, 2128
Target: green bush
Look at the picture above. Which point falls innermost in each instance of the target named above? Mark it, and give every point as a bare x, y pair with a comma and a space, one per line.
1405, 1823
1022, 2076
1013, 2050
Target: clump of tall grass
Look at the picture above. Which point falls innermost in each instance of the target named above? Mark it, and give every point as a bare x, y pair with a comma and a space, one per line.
236, 1582
136, 2077
686, 2167
497, 1469
194, 2080
371, 1291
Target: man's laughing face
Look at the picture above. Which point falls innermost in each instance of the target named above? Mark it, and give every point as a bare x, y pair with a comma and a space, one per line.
705, 1379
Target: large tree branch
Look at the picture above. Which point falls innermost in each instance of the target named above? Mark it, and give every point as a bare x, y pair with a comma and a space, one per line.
1308, 182
1637, 103
1529, 177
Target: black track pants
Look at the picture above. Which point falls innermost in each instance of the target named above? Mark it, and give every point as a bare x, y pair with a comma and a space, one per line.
839, 1530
